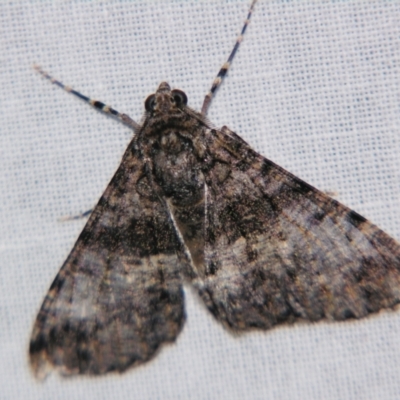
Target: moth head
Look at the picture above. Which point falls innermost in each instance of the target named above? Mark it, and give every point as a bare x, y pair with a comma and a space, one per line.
165, 100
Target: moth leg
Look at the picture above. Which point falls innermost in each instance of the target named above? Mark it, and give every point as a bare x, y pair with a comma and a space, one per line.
224, 69
94, 103
78, 216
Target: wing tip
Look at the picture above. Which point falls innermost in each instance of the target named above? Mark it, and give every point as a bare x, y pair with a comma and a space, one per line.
40, 366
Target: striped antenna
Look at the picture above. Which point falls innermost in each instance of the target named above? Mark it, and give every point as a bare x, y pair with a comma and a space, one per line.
222, 72
98, 105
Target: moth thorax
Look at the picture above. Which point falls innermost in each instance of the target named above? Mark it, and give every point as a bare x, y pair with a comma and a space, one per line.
170, 142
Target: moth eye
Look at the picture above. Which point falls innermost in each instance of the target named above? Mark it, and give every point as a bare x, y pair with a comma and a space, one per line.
150, 103
179, 97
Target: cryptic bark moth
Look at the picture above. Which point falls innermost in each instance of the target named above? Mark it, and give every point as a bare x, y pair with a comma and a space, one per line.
191, 203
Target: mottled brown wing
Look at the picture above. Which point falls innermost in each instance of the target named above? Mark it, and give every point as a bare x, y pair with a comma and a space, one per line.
118, 296
277, 249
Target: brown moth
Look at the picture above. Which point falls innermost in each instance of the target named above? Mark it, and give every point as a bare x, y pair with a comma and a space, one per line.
191, 203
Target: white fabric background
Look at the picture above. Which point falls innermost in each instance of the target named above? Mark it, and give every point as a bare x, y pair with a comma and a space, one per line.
314, 87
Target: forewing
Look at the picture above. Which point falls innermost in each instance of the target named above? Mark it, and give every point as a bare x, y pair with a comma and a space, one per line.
277, 249
118, 296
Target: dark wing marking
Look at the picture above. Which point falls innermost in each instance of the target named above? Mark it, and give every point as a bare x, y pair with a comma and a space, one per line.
118, 296
277, 249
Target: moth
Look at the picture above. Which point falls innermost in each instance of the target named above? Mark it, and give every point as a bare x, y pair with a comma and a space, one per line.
191, 203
